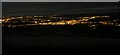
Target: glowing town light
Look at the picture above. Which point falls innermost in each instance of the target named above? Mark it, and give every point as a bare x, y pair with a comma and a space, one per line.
82, 22
112, 23
0, 20
118, 24
92, 17
93, 25
106, 16
85, 17
91, 22
35, 21
36, 16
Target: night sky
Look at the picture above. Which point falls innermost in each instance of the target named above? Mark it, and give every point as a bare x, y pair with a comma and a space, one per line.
61, 8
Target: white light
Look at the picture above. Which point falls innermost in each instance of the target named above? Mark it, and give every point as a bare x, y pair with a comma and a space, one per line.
0, 20
93, 17
118, 24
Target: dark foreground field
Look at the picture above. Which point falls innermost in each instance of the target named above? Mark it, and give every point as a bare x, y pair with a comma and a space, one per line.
15, 40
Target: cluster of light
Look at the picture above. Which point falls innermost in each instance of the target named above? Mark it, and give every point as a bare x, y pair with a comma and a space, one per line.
101, 16
0, 20
83, 19
6, 20
107, 23
49, 20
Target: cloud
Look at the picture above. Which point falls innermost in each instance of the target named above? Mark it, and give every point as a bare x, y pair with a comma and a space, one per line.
58, 8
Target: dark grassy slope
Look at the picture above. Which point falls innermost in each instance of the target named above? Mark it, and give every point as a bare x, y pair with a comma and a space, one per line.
26, 43
60, 38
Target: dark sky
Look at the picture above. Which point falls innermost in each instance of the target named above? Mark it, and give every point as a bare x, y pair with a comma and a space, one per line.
51, 8
59, 0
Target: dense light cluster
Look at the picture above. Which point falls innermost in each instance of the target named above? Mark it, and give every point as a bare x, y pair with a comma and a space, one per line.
15, 21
